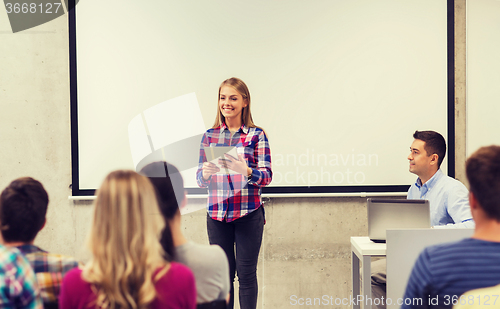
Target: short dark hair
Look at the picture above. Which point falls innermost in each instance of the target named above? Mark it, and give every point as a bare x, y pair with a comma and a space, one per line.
434, 144
169, 186
23, 206
483, 173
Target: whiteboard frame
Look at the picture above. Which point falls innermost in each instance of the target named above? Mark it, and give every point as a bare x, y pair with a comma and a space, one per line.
278, 191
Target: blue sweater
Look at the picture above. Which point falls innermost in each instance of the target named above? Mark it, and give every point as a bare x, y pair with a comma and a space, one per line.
443, 272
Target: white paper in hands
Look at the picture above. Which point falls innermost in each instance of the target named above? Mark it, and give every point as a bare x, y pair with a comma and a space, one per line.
214, 153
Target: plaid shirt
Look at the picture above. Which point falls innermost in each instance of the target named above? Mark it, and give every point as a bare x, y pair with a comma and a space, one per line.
18, 288
233, 196
49, 270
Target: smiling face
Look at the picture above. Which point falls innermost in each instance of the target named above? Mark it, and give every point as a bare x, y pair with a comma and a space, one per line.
421, 163
231, 103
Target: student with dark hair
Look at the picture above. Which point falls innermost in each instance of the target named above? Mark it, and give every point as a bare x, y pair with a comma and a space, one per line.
23, 207
448, 197
208, 262
434, 144
444, 272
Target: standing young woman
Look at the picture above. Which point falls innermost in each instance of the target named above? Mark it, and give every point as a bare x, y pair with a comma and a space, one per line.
235, 212
127, 268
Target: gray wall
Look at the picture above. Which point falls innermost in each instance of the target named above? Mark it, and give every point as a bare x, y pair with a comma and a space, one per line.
306, 246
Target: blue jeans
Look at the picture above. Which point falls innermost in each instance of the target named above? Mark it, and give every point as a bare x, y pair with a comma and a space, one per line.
244, 235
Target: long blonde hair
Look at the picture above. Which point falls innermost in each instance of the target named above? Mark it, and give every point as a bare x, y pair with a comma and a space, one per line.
124, 242
246, 114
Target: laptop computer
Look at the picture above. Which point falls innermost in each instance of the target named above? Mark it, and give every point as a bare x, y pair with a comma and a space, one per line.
386, 214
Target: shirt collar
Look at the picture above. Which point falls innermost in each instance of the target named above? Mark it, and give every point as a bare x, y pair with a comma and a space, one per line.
25, 249
243, 128
431, 182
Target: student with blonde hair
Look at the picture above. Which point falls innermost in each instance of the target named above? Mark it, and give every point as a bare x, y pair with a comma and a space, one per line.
235, 212
127, 268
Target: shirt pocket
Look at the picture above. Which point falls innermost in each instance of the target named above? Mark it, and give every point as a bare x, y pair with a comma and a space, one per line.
247, 150
246, 144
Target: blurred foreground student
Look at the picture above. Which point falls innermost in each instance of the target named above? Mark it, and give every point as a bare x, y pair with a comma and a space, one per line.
22, 214
18, 288
208, 262
127, 268
443, 272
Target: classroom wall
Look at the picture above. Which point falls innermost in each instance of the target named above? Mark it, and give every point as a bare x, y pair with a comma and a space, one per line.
306, 244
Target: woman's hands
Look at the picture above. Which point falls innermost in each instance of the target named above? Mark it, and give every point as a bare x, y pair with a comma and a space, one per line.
209, 169
238, 165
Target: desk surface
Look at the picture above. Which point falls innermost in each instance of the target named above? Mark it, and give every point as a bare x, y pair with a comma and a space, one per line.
364, 246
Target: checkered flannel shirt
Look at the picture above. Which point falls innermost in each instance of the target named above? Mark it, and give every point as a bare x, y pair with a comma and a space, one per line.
18, 287
233, 196
49, 269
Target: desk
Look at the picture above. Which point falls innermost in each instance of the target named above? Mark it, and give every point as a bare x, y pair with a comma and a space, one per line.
362, 249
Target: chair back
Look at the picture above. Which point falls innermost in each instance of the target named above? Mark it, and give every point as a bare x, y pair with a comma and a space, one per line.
404, 247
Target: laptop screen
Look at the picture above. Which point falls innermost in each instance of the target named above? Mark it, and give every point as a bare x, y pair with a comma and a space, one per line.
386, 214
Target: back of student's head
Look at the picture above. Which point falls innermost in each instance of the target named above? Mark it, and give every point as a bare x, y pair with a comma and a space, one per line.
123, 241
483, 173
169, 186
434, 143
23, 206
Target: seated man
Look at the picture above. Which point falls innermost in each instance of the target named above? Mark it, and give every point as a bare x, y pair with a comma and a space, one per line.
448, 197
22, 215
208, 262
443, 272
18, 288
